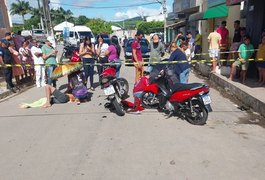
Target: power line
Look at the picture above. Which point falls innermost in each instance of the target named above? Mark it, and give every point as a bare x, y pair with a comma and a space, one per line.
104, 7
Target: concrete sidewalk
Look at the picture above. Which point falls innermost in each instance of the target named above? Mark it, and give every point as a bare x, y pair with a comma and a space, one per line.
250, 94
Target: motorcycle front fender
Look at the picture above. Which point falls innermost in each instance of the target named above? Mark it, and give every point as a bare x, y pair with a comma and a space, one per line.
151, 88
209, 108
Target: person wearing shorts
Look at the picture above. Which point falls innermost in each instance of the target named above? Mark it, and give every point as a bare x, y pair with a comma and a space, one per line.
245, 50
54, 96
214, 39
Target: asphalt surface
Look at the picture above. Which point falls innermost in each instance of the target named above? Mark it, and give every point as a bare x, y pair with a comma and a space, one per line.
86, 141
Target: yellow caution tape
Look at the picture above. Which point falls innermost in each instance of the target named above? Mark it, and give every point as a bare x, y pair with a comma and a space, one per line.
144, 63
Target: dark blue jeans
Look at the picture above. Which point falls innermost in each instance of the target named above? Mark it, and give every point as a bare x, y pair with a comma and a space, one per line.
49, 70
8, 77
88, 64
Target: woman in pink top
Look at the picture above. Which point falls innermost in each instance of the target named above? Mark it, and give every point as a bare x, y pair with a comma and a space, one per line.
113, 53
27, 60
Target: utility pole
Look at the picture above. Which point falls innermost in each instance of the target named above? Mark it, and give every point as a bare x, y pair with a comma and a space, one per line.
45, 15
41, 20
164, 6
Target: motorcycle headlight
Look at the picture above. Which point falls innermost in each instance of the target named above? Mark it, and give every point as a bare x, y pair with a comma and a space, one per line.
128, 53
104, 80
147, 54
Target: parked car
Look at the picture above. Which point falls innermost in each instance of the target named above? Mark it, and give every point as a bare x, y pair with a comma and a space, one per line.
39, 35
144, 48
106, 38
26, 33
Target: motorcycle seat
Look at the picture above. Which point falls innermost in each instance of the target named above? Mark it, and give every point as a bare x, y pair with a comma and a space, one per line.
191, 86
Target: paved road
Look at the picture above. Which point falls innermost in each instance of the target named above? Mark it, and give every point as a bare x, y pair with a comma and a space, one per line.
89, 142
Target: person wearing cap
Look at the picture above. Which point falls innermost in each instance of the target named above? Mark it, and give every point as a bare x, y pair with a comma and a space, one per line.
39, 64
8, 36
7, 59
137, 55
157, 49
49, 57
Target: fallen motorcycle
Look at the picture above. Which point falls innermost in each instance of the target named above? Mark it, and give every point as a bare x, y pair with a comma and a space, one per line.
189, 101
116, 89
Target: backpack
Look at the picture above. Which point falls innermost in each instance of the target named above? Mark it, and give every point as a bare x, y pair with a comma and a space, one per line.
79, 89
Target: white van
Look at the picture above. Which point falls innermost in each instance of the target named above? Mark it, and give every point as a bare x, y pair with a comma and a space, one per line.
77, 33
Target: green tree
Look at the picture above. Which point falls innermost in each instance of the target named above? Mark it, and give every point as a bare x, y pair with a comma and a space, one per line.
59, 15
35, 12
33, 21
151, 27
81, 20
21, 8
17, 28
98, 25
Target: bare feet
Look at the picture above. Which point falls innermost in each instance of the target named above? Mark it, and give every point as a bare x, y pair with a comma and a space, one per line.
23, 106
47, 105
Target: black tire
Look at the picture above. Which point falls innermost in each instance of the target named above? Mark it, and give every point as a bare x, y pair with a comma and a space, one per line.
145, 100
201, 113
123, 88
118, 107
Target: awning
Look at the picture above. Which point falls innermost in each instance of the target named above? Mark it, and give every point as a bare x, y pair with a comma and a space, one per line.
217, 11
178, 24
196, 16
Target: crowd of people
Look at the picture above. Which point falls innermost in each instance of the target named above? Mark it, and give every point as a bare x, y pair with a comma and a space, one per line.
24, 59
240, 50
29, 60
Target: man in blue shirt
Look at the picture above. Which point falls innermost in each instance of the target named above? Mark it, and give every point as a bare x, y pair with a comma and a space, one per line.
180, 69
6, 58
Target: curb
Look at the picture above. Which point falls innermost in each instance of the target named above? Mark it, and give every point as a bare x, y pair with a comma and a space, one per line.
241, 95
8, 94
247, 99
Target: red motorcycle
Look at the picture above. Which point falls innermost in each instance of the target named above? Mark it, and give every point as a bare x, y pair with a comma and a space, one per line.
188, 101
116, 89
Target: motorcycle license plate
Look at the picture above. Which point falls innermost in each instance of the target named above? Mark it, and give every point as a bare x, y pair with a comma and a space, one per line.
206, 99
109, 90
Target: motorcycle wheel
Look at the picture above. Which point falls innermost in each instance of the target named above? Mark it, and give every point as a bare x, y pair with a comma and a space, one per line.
123, 88
118, 107
146, 99
201, 115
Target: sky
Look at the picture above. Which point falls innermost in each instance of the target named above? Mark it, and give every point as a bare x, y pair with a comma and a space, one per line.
116, 9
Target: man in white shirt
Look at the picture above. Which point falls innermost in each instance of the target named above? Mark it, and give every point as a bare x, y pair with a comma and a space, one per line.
39, 64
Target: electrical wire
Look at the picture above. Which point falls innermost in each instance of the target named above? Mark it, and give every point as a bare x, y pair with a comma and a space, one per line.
104, 7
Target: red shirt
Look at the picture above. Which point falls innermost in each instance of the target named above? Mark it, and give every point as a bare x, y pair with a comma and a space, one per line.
140, 84
136, 45
224, 34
